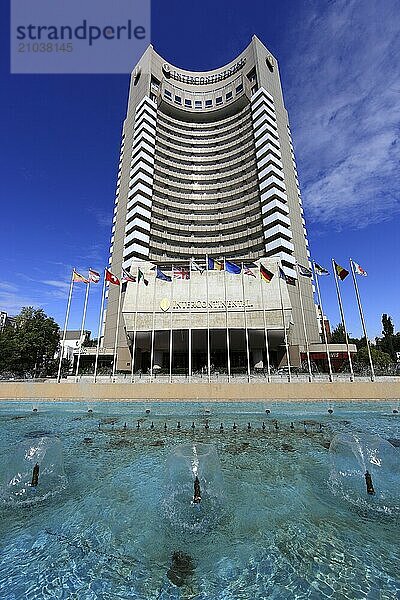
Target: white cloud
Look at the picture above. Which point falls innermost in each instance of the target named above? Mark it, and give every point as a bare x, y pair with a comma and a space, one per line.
344, 103
8, 287
12, 302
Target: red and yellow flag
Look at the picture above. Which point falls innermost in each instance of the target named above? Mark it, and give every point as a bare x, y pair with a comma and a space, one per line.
77, 277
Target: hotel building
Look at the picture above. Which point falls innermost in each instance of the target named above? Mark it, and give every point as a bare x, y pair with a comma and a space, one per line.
207, 168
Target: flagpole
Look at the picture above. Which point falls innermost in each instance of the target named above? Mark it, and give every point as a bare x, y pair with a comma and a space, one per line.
343, 319
304, 324
245, 328
362, 319
208, 326
82, 329
228, 349
190, 322
152, 330
71, 285
100, 328
116, 332
170, 325
265, 329
135, 328
284, 325
322, 321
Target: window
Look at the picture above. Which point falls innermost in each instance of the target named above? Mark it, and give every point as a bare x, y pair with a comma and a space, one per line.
167, 94
239, 88
178, 100
229, 95
218, 100
198, 103
253, 89
188, 102
208, 102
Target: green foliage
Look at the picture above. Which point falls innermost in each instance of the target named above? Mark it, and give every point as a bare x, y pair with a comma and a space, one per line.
387, 325
89, 343
390, 342
27, 347
338, 335
381, 360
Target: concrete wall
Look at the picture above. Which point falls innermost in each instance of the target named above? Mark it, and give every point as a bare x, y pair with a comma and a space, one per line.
346, 391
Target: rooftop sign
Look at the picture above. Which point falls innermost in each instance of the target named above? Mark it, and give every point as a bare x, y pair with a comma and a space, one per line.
203, 80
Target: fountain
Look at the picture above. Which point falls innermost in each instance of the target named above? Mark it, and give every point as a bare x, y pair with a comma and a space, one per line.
365, 471
194, 495
34, 472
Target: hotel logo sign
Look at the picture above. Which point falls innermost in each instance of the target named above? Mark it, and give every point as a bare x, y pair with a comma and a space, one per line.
203, 80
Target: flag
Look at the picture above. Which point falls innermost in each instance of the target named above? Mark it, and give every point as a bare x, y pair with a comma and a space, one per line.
341, 272
196, 266
141, 277
94, 276
358, 269
181, 272
125, 276
265, 274
76, 277
305, 271
230, 267
111, 278
320, 270
247, 271
215, 265
289, 280
163, 276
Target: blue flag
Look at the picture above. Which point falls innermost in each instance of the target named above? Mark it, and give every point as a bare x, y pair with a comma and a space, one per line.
230, 267
163, 276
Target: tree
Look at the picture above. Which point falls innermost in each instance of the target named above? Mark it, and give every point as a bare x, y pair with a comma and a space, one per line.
389, 342
338, 335
29, 344
381, 360
387, 325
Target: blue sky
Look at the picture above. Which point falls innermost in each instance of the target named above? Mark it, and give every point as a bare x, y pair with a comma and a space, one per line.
339, 68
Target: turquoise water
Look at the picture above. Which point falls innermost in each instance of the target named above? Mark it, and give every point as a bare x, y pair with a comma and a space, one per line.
107, 523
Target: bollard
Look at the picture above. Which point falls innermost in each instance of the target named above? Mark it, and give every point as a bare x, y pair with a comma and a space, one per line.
248, 427
221, 428
193, 425
234, 427
138, 425
291, 426
263, 426
125, 425
152, 425
207, 425
165, 427
276, 425
179, 425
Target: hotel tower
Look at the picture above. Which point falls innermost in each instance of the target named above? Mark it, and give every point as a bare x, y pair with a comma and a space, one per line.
207, 171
